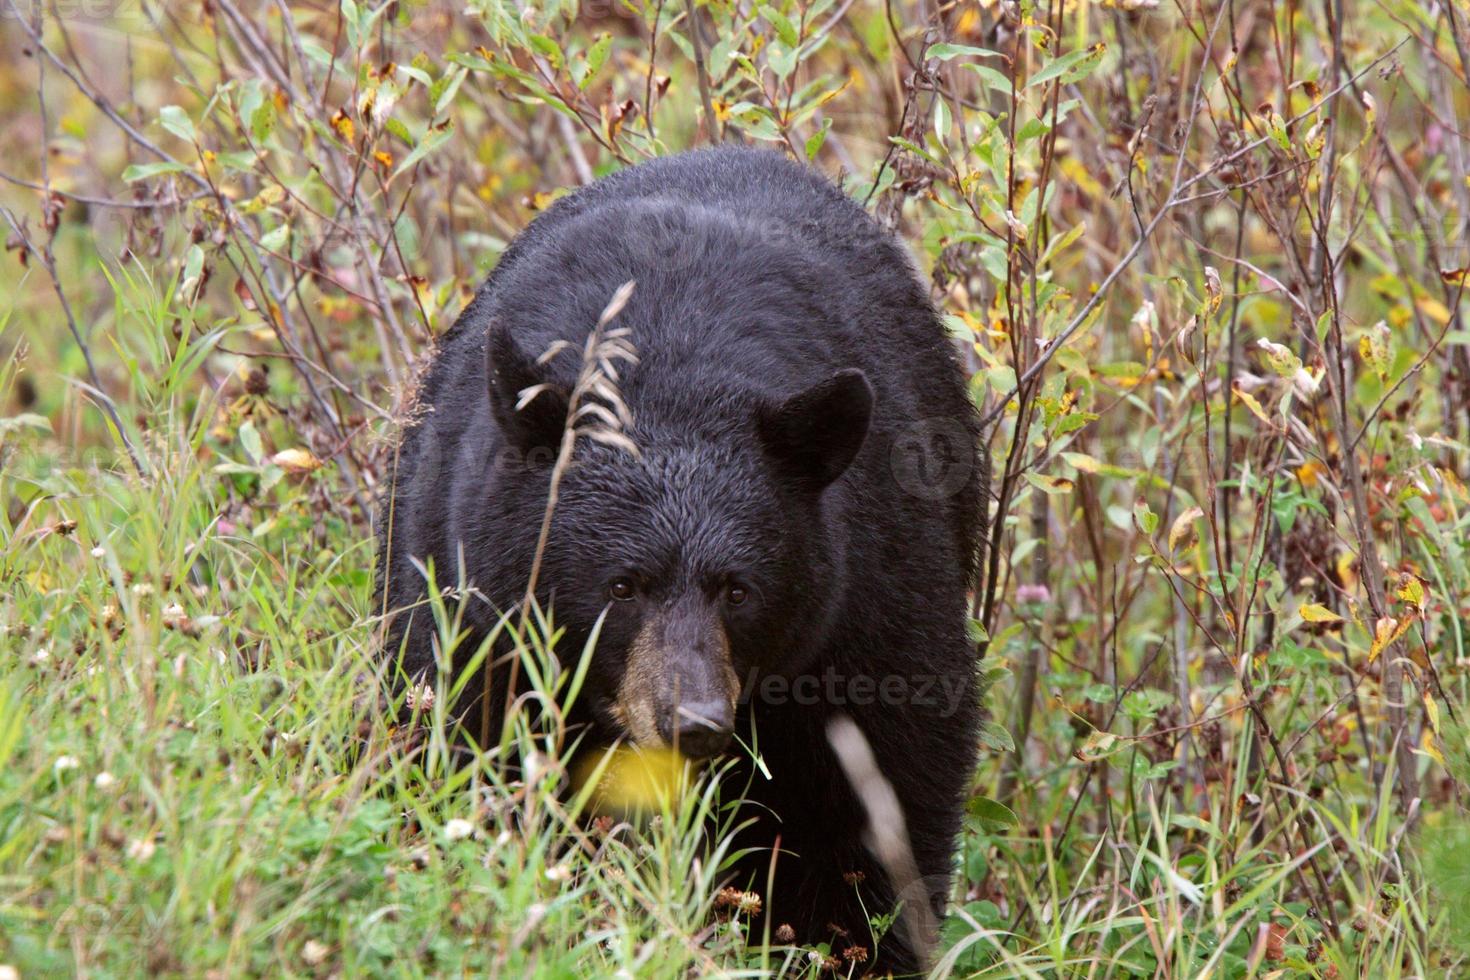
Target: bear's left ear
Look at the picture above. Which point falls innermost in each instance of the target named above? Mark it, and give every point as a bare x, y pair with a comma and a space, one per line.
532, 411
815, 435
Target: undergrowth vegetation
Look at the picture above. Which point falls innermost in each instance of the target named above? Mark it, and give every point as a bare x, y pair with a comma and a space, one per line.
1206, 262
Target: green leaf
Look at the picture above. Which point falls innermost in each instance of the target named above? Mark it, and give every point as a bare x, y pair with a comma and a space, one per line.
815, 141
991, 811
989, 77
250, 439
548, 48
431, 141
945, 52
142, 171
785, 30
177, 121
1070, 67
275, 240
25, 420
1071, 422
1145, 518
263, 121
596, 58
994, 736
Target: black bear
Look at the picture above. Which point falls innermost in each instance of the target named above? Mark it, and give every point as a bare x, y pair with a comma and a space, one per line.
792, 540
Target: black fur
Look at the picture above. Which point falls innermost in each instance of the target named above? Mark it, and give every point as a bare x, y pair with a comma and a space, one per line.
757, 282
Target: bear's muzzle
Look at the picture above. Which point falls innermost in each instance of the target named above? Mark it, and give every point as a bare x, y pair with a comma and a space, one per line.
679, 687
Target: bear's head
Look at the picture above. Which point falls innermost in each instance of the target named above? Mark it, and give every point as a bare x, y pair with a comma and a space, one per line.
710, 556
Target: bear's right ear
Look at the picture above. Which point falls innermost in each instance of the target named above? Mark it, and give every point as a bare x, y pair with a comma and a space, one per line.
814, 435
531, 411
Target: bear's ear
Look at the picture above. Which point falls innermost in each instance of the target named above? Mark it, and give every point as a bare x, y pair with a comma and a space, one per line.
814, 435
531, 411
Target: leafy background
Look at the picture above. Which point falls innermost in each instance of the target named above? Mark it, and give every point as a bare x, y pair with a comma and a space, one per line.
1207, 263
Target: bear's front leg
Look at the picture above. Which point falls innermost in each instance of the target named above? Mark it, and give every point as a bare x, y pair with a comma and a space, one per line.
829, 884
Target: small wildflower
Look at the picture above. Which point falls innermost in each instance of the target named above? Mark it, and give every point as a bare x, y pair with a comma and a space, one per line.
143, 589
40, 656
458, 829
66, 763
785, 934
748, 903
141, 849
558, 872
99, 552
421, 698
1030, 592
855, 954
314, 953
8, 972
105, 782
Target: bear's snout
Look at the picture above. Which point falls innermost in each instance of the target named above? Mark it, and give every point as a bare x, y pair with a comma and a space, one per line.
698, 730
679, 687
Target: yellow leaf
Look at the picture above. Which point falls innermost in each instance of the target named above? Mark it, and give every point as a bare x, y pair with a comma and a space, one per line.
1385, 632
1456, 277
1412, 591
1281, 358
1373, 349
1431, 711
1213, 290
296, 460
1182, 532
1049, 484
1084, 463
829, 96
342, 123
1312, 612
1433, 309
1249, 401
1427, 747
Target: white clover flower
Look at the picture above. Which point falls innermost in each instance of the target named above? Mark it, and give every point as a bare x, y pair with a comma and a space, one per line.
99, 552
141, 849
315, 953
105, 782
65, 763
458, 829
40, 656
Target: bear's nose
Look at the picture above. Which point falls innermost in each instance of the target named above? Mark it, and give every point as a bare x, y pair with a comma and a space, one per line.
701, 729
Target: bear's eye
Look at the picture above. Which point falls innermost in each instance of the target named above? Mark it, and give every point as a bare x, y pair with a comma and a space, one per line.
622, 589
736, 595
